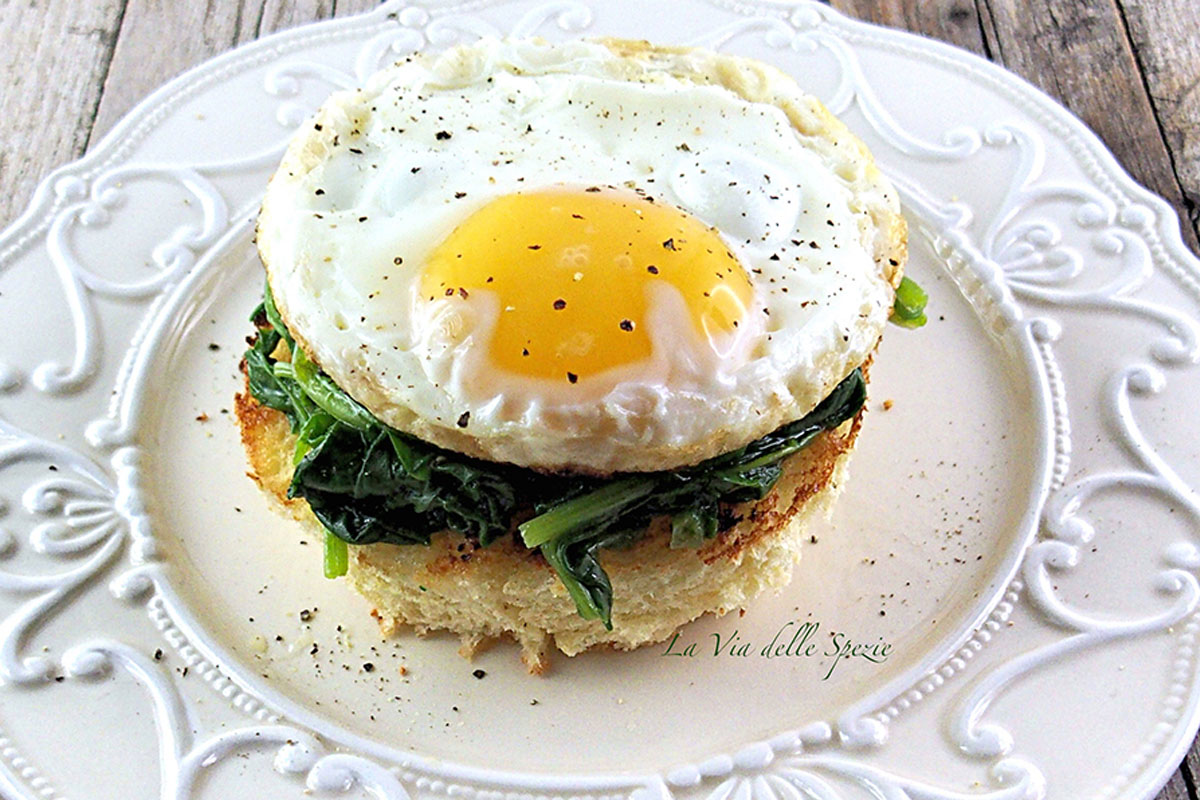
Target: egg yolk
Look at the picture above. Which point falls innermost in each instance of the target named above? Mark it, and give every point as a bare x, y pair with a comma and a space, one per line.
572, 270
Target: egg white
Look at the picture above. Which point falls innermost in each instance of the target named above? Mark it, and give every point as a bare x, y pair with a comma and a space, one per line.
385, 173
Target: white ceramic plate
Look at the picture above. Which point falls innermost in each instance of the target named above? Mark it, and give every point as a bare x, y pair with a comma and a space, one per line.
1019, 530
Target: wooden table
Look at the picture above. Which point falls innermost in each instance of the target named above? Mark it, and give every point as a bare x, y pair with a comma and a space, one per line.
1129, 68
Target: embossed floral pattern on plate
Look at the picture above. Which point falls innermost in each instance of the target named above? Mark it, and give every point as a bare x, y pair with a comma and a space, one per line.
1071, 282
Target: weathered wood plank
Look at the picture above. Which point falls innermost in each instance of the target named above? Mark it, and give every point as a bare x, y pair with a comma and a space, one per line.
1080, 54
160, 39
348, 8
278, 15
953, 21
142, 61
1189, 769
1176, 789
77, 69
1164, 36
54, 56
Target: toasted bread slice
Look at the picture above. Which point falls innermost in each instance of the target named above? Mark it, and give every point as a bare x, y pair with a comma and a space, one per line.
505, 589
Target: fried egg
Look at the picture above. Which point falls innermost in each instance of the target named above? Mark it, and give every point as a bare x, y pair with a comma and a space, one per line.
590, 256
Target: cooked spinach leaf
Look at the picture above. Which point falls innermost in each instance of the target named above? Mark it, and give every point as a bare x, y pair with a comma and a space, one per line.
368, 483
263, 384
359, 486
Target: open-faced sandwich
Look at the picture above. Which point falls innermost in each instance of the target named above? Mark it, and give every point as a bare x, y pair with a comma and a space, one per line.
567, 342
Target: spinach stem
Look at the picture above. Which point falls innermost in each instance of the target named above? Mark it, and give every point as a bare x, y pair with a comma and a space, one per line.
773, 457
337, 556
325, 393
909, 307
273, 315
295, 392
579, 511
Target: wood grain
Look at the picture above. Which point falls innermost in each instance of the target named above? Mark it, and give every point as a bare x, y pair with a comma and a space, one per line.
1178, 788
347, 8
143, 61
55, 56
1166, 41
1081, 55
953, 21
278, 15
1131, 71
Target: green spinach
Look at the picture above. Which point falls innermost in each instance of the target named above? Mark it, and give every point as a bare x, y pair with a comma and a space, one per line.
368, 483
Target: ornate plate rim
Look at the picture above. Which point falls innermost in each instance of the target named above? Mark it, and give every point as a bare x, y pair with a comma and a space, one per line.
1083, 142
